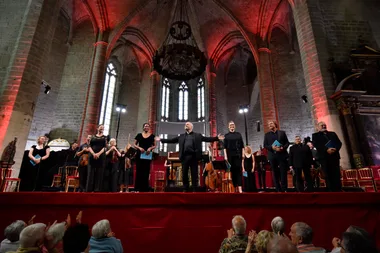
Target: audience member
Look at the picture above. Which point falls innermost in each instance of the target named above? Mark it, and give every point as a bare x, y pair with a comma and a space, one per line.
301, 236
103, 239
76, 239
237, 239
53, 238
31, 239
356, 243
262, 240
280, 244
354, 229
12, 236
278, 225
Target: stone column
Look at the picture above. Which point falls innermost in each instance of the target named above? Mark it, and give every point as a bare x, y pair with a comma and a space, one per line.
155, 79
22, 82
318, 81
94, 92
267, 92
346, 111
211, 75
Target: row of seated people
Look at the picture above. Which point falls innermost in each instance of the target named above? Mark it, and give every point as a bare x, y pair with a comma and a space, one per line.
64, 237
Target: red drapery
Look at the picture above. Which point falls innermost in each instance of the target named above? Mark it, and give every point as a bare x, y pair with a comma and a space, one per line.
197, 222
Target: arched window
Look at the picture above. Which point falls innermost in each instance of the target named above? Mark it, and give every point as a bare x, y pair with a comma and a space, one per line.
165, 100
108, 97
201, 100
183, 106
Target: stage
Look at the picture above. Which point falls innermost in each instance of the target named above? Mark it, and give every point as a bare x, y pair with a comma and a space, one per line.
196, 222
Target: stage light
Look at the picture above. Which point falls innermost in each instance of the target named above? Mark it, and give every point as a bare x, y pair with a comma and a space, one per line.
47, 89
304, 99
118, 109
123, 110
243, 109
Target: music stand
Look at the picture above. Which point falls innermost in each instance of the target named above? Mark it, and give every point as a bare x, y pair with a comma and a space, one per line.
131, 152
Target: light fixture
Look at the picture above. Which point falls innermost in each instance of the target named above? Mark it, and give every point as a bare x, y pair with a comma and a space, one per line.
243, 109
304, 99
47, 87
121, 108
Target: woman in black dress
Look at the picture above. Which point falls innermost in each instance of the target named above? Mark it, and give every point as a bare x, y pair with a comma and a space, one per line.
97, 161
144, 143
248, 170
33, 175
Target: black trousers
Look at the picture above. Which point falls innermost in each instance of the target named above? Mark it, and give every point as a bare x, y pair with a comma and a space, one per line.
261, 173
299, 181
142, 175
190, 162
82, 177
279, 167
331, 170
236, 168
95, 174
114, 176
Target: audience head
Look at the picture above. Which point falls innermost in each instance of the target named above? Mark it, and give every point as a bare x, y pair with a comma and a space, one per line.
231, 126
101, 229
32, 235
278, 225
55, 233
12, 232
358, 230
262, 240
239, 225
76, 239
301, 233
280, 244
353, 242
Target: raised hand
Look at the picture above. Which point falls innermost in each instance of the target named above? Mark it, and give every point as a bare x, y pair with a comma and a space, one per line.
79, 217
31, 221
68, 221
230, 233
252, 236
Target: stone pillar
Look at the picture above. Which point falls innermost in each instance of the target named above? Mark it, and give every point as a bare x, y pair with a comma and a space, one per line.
345, 110
22, 82
94, 92
211, 75
319, 84
155, 79
267, 92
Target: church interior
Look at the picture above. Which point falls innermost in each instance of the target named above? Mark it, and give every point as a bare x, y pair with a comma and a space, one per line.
67, 66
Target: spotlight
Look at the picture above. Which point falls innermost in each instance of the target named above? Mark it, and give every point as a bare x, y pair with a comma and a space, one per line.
47, 89
118, 109
243, 109
121, 108
304, 98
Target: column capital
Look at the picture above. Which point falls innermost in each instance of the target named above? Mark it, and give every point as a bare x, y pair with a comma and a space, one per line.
264, 50
154, 73
101, 43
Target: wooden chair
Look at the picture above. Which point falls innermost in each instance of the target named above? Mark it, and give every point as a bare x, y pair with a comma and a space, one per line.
57, 178
376, 178
350, 178
227, 182
72, 177
366, 180
159, 181
10, 182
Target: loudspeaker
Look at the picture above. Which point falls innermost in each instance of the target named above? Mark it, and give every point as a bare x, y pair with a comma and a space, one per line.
258, 126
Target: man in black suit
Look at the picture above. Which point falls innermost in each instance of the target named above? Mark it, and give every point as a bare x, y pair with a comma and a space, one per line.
300, 159
277, 155
328, 145
190, 152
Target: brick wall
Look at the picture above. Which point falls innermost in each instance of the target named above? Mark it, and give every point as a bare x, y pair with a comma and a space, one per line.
255, 138
12, 13
74, 83
143, 109
52, 75
294, 115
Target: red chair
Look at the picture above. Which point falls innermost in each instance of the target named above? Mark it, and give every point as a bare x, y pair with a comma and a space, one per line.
350, 178
57, 178
159, 181
366, 180
10, 183
376, 176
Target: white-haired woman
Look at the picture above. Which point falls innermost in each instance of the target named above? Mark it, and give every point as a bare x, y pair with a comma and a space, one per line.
103, 239
31, 239
34, 173
12, 236
112, 166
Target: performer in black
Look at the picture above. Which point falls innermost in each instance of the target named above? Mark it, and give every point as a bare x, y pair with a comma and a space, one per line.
233, 153
83, 154
190, 152
97, 161
144, 143
112, 167
277, 155
260, 161
249, 168
328, 145
300, 160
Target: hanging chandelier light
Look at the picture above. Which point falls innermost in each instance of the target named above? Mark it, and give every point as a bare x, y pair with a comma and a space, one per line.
179, 58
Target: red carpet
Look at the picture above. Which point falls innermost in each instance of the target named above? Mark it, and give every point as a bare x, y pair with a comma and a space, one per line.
196, 222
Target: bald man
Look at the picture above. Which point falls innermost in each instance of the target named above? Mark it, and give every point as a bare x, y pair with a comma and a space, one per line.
190, 152
280, 244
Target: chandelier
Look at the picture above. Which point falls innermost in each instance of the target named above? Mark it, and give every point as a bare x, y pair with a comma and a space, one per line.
179, 58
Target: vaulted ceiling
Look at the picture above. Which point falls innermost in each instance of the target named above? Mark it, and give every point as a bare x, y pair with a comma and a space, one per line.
218, 25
